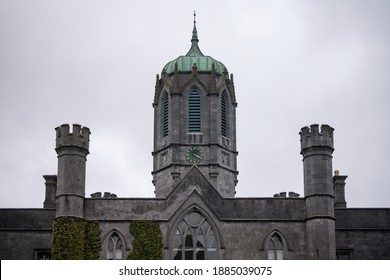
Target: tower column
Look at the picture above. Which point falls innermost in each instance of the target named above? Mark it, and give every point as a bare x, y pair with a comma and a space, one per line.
72, 150
317, 149
194, 83
213, 101
51, 189
339, 190
175, 120
175, 108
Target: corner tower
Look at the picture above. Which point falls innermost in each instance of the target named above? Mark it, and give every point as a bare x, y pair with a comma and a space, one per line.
72, 150
194, 122
317, 149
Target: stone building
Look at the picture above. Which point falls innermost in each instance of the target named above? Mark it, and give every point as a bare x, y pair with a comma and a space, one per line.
195, 175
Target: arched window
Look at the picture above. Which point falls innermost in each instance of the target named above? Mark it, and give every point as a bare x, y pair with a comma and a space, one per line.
224, 116
275, 247
165, 115
115, 247
194, 111
194, 239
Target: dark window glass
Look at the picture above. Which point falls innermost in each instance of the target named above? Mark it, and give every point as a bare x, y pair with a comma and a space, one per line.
115, 247
44, 254
194, 239
275, 248
344, 254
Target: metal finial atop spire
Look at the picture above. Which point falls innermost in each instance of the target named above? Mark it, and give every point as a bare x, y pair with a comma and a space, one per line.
194, 50
194, 31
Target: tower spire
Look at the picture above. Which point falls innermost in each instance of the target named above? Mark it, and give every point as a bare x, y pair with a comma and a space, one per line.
194, 31
194, 50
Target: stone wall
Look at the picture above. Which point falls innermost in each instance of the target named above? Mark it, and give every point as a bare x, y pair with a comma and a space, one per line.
365, 233
25, 232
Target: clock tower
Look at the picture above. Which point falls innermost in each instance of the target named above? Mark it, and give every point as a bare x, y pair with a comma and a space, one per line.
194, 122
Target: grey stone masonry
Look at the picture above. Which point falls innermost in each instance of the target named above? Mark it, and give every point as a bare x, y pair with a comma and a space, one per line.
72, 149
24, 231
339, 190
313, 137
316, 149
363, 232
51, 189
78, 138
171, 101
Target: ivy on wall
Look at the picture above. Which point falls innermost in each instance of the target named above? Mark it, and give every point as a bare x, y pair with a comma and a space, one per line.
147, 242
92, 243
75, 239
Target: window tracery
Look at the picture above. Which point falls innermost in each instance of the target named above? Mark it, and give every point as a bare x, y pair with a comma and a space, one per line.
275, 247
194, 239
115, 247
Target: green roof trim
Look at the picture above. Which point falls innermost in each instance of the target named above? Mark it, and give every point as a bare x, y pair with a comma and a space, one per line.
203, 63
194, 56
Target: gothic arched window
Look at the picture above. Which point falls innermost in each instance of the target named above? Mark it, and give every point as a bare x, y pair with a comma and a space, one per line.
165, 115
194, 239
224, 116
194, 111
115, 247
275, 247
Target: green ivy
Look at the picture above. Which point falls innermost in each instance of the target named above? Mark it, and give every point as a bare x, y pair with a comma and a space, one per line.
92, 241
147, 241
75, 239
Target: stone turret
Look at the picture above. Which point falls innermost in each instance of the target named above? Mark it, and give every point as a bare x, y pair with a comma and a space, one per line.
317, 149
72, 149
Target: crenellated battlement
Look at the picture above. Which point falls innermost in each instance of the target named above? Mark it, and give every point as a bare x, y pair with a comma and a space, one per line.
79, 137
314, 137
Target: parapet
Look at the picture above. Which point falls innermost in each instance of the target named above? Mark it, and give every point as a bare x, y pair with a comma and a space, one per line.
105, 195
284, 194
313, 137
79, 137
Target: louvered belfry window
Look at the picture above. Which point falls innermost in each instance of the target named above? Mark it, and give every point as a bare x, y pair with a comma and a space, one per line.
194, 111
166, 115
224, 116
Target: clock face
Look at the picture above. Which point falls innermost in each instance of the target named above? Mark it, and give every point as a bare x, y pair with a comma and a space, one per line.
194, 155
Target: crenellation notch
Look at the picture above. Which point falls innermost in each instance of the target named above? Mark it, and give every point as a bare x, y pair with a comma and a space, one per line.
79, 136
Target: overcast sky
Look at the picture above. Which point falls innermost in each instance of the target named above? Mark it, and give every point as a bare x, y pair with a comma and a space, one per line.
295, 63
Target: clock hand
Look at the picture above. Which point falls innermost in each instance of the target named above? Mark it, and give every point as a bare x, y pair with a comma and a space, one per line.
197, 156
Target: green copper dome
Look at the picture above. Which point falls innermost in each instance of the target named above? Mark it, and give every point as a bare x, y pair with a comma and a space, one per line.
194, 56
